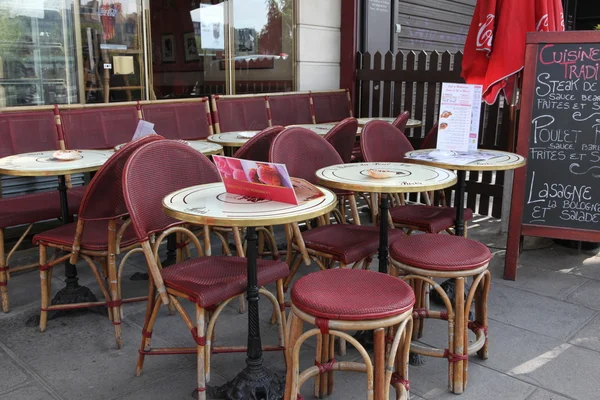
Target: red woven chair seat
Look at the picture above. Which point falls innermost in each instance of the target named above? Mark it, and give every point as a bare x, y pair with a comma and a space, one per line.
430, 219
347, 243
94, 238
35, 207
440, 252
349, 294
210, 280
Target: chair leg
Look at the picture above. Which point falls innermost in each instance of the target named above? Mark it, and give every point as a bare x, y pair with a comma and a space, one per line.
293, 332
401, 362
152, 308
111, 266
293, 271
45, 286
201, 327
459, 364
481, 311
3, 275
379, 364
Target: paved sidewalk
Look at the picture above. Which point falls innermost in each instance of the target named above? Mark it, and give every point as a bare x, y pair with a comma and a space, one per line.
544, 339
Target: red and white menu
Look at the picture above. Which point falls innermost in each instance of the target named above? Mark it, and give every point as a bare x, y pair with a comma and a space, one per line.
460, 109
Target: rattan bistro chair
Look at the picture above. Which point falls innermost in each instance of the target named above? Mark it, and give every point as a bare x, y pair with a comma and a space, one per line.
423, 257
340, 300
381, 142
342, 138
304, 152
100, 233
401, 121
23, 132
208, 282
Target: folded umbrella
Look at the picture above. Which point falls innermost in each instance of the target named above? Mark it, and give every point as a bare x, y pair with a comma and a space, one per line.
495, 47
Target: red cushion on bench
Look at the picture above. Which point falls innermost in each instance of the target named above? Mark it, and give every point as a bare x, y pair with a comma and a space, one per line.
240, 113
290, 109
187, 121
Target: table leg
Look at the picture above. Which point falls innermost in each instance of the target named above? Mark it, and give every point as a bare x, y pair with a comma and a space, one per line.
255, 381
459, 224
383, 233
365, 338
72, 292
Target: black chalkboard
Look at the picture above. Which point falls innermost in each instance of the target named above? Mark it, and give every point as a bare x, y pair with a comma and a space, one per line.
562, 187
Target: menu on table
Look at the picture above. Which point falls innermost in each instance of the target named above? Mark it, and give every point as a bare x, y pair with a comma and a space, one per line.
460, 108
263, 180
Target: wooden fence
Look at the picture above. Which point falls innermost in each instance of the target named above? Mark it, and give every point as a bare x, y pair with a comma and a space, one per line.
391, 83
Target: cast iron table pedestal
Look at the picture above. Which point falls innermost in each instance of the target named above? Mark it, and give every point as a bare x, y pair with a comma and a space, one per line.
255, 381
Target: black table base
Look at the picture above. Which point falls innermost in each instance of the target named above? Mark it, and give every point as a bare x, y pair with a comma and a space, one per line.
72, 293
255, 381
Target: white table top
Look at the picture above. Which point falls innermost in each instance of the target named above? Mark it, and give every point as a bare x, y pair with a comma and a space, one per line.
204, 147
409, 178
321, 129
229, 139
501, 160
42, 163
412, 123
210, 205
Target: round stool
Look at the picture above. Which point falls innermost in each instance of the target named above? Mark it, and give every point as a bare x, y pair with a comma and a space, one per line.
426, 256
339, 300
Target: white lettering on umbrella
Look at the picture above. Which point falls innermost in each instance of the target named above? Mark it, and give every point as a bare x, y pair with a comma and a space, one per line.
486, 34
542, 24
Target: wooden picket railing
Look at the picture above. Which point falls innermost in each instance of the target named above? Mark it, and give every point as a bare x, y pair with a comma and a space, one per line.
388, 84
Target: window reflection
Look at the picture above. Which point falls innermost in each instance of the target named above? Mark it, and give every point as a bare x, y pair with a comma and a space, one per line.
37, 55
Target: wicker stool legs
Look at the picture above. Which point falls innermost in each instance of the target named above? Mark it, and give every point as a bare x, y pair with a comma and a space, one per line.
457, 315
380, 372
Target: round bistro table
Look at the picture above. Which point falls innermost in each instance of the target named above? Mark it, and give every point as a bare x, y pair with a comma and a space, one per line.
231, 140
500, 161
44, 164
210, 205
409, 178
412, 123
204, 147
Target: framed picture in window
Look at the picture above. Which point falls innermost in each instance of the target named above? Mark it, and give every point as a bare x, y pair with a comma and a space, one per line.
167, 47
190, 47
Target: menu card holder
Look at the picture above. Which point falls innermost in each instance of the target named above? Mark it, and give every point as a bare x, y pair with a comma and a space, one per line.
263, 180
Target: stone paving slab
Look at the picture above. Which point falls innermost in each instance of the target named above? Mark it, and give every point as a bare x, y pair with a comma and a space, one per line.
537, 313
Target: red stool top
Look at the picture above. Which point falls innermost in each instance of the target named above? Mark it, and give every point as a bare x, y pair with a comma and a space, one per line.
439, 252
352, 295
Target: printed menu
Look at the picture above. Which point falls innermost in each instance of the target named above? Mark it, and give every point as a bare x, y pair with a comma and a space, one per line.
263, 180
460, 108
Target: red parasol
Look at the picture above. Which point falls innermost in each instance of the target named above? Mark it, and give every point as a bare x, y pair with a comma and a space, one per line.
495, 47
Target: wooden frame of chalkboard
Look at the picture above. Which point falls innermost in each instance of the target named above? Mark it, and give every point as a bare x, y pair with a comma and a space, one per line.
560, 96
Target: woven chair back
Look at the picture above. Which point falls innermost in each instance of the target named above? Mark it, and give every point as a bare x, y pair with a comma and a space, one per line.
342, 137
303, 152
382, 142
257, 148
154, 171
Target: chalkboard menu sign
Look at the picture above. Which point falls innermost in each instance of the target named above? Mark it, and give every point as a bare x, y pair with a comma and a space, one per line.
563, 169
557, 195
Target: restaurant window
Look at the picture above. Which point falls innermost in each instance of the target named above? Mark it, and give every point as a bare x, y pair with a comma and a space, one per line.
221, 47
38, 61
101, 51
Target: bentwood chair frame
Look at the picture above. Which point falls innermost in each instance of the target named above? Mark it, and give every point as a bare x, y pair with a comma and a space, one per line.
114, 214
456, 314
151, 234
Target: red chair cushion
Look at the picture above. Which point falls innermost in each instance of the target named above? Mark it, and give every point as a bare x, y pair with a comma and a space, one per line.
94, 238
347, 243
350, 294
210, 280
440, 252
36, 207
429, 219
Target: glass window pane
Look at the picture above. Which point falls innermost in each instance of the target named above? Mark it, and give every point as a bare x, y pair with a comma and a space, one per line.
37, 53
263, 45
